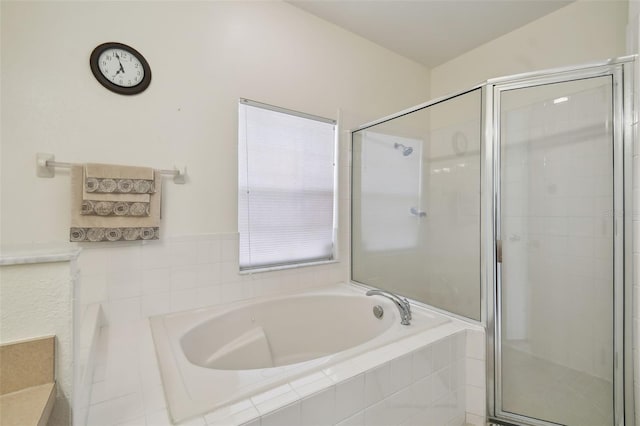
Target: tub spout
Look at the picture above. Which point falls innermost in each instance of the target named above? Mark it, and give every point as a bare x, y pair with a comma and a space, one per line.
401, 303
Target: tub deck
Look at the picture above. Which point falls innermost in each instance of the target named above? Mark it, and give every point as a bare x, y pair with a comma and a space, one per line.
128, 389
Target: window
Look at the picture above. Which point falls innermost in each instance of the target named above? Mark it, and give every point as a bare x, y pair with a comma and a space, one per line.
286, 181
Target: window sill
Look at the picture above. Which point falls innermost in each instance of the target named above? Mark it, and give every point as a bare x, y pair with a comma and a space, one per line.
283, 267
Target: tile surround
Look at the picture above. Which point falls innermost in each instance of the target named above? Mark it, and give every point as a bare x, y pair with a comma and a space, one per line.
137, 280
41, 253
134, 281
365, 391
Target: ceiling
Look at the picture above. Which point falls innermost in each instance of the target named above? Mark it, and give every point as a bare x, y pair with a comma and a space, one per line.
430, 32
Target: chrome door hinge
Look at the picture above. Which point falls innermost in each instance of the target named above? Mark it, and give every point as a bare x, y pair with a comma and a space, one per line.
499, 251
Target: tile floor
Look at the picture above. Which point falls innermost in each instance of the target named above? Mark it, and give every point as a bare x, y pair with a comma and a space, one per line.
539, 388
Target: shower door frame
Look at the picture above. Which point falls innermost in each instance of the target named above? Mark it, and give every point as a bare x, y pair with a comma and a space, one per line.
622, 74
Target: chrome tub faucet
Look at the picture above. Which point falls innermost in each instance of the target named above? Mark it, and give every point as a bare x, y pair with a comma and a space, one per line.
401, 303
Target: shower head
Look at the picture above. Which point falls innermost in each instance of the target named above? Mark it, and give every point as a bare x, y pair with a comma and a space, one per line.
406, 150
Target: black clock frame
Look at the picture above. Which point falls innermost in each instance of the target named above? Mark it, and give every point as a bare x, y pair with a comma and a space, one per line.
133, 90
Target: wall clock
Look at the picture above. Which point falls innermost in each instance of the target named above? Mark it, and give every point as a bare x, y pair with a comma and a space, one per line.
120, 68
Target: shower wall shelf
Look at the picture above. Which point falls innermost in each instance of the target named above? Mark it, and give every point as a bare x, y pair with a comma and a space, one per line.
46, 168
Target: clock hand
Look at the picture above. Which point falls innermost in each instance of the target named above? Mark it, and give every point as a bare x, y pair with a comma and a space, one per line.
120, 62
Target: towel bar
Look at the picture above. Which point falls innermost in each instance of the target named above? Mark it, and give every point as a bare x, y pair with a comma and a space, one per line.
46, 164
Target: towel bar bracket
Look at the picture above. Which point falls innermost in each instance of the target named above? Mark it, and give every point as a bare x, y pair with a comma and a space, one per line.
180, 174
46, 168
43, 169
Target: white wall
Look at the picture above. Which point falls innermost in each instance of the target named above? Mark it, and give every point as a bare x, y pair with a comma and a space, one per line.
584, 31
204, 56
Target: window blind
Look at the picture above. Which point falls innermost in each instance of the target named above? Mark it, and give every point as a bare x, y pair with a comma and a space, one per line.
285, 186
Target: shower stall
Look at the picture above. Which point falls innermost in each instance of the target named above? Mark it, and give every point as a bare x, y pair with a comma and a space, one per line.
509, 204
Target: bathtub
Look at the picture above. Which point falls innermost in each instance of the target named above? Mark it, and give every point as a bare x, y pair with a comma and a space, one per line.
213, 357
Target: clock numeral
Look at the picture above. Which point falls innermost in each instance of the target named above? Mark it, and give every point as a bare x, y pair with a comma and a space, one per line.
138, 72
137, 65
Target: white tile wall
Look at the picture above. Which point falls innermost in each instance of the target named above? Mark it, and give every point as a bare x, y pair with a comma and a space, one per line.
410, 383
86, 331
475, 376
350, 398
319, 408
557, 225
137, 280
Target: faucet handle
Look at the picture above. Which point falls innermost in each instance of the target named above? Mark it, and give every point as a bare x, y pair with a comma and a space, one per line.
408, 306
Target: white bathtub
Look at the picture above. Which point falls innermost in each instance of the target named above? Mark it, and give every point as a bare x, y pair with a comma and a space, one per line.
215, 356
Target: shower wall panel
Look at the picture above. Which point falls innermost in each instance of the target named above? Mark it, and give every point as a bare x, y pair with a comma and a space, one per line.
416, 217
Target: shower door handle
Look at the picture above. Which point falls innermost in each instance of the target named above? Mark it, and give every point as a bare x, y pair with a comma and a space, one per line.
499, 251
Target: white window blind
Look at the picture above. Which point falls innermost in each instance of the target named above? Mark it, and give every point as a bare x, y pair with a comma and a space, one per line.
285, 186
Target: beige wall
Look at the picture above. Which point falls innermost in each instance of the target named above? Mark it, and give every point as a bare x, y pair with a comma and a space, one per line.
584, 31
204, 56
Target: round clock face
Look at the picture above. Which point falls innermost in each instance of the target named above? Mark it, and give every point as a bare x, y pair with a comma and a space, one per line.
120, 68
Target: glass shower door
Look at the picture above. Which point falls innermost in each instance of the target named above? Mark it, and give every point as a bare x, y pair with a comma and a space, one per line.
556, 260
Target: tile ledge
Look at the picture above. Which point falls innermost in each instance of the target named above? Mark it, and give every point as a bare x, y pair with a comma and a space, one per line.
24, 254
29, 406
